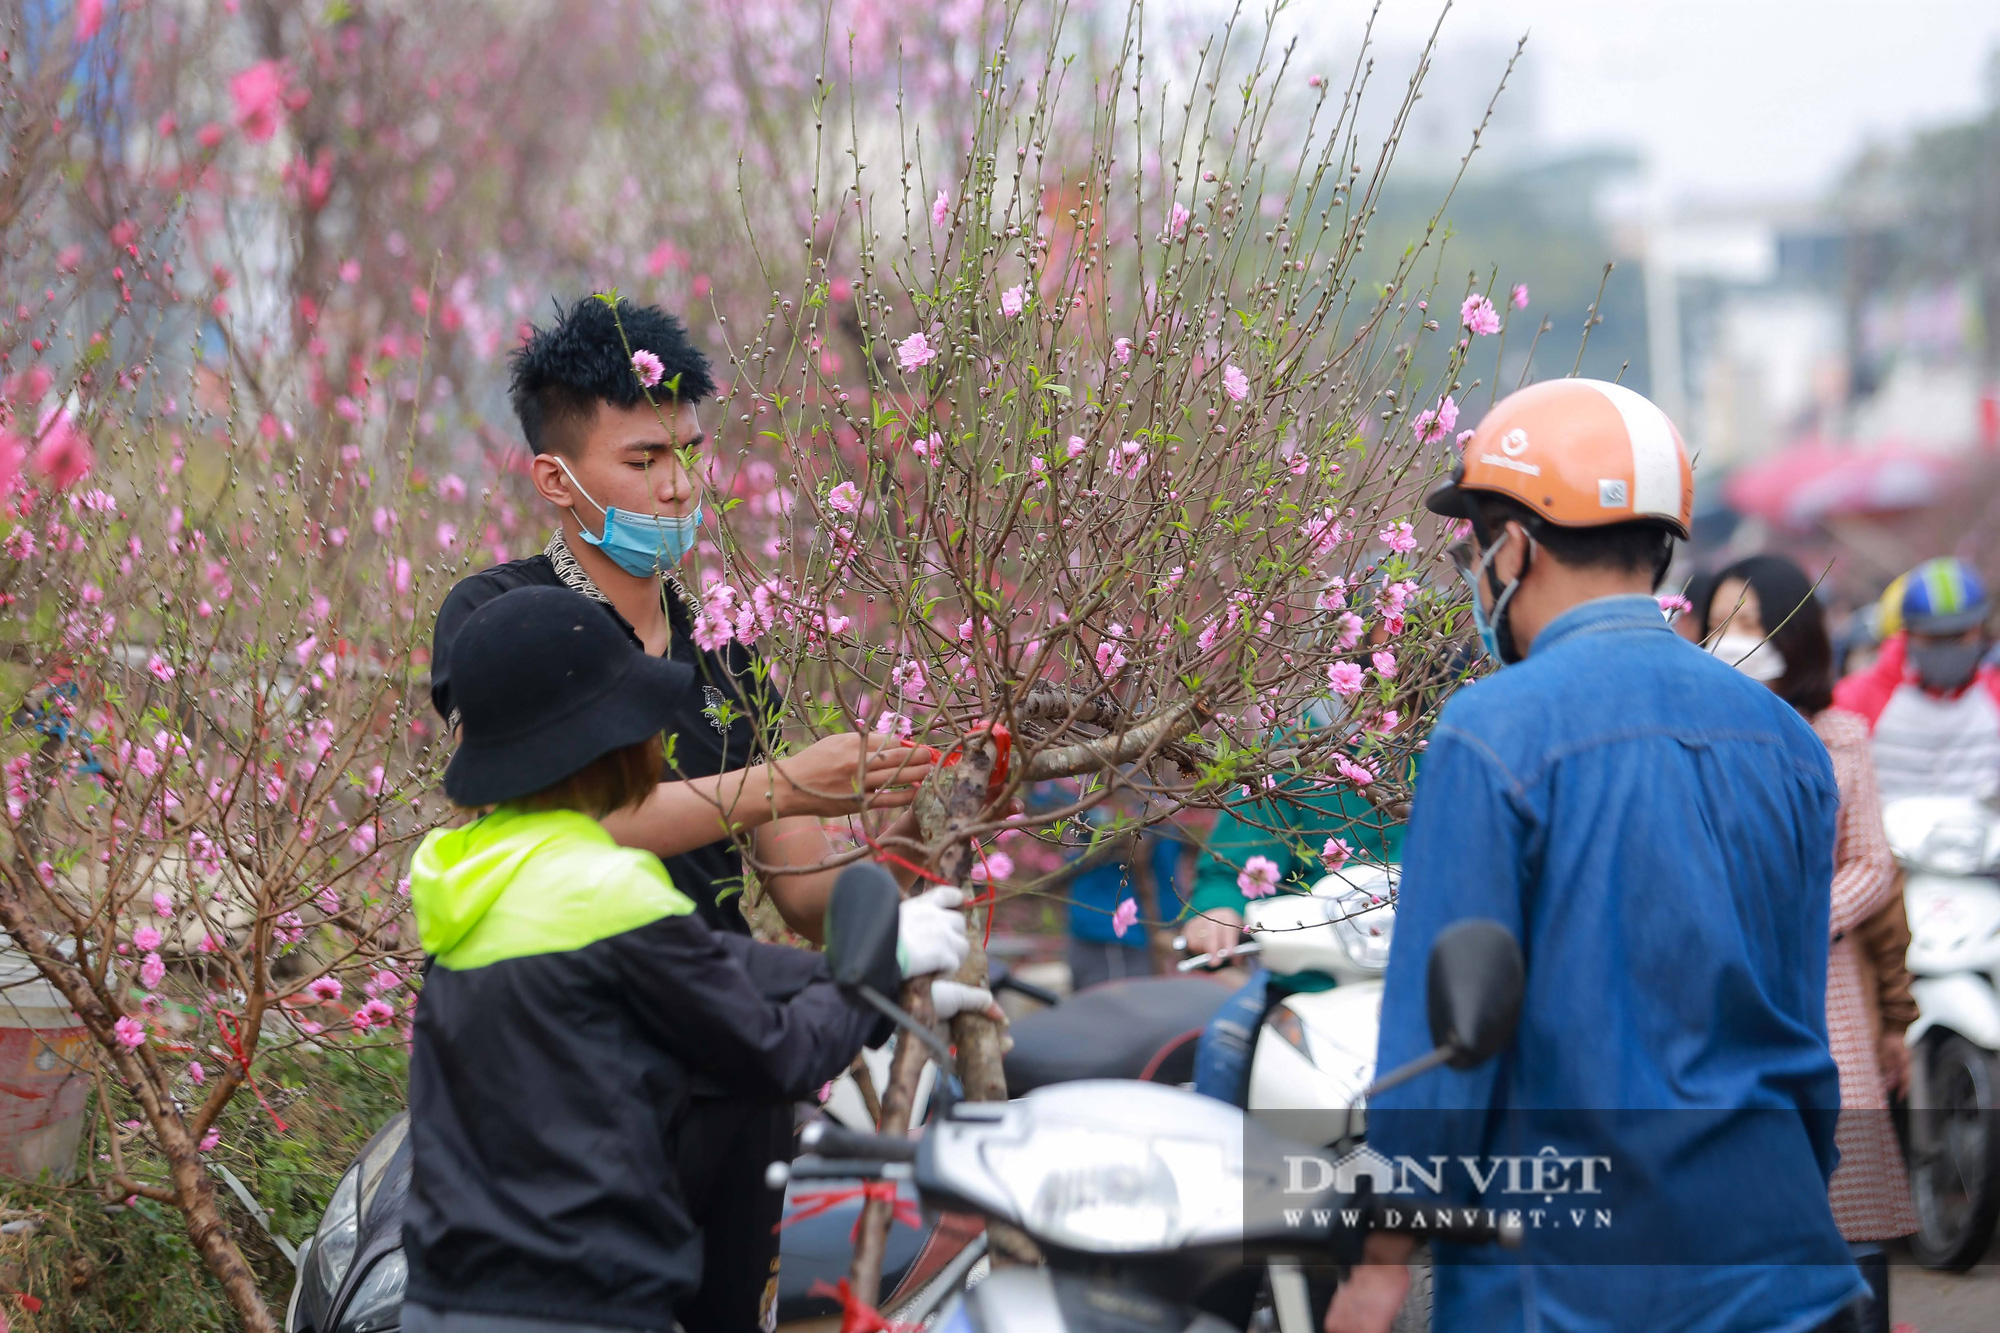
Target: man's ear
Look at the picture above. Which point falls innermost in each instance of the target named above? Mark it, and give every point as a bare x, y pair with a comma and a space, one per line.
551, 482
1512, 557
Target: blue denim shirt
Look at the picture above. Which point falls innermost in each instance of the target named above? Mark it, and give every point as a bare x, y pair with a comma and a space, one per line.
1657, 830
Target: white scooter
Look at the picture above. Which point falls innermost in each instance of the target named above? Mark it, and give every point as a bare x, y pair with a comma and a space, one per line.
1950, 849
1315, 1052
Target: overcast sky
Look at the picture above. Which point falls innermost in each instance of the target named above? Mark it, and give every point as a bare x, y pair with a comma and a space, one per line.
1725, 98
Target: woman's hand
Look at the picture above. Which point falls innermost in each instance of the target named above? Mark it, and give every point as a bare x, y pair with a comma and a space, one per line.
840, 774
1213, 931
1894, 1054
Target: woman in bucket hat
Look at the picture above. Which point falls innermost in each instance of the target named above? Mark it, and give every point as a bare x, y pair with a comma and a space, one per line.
575, 999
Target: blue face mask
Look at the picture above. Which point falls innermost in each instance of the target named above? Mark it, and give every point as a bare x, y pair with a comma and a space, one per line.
640, 544
1489, 626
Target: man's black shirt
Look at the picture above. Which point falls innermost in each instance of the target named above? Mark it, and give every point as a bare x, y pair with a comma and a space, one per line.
698, 746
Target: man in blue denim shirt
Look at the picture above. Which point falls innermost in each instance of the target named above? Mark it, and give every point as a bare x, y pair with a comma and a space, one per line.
1657, 830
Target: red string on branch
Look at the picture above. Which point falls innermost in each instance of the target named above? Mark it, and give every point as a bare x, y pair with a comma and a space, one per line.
225, 1023
856, 1315
811, 1203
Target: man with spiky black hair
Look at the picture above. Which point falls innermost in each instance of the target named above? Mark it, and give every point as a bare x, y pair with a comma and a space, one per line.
608, 397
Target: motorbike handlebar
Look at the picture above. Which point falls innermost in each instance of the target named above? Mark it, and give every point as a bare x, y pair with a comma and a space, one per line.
778, 1174
828, 1139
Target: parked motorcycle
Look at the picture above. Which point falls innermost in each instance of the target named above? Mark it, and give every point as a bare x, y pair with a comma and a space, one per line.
1143, 1197
1950, 849
1316, 1052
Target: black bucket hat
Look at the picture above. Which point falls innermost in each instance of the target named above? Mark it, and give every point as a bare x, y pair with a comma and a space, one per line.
545, 683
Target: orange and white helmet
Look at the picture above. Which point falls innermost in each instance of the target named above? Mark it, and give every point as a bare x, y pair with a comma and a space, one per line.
1578, 453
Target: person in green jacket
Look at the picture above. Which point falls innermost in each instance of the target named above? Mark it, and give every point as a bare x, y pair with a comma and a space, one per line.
1286, 841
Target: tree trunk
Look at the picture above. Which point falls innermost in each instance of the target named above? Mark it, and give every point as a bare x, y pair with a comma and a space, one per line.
947, 806
211, 1237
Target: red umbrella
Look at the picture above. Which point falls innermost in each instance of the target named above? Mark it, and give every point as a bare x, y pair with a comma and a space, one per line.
1808, 482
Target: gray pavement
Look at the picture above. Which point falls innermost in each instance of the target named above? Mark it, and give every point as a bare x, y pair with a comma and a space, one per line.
1930, 1302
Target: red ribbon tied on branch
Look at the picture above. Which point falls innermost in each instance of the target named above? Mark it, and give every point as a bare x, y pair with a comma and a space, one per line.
225, 1023
811, 1203
856, 1315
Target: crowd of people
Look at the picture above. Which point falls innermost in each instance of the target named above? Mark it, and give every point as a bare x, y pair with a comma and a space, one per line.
1686, 839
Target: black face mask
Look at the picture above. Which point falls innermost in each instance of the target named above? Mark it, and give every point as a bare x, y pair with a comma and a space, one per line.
1945, 665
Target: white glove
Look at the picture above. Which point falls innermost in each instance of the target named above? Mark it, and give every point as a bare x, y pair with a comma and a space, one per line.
930, 932
952, 998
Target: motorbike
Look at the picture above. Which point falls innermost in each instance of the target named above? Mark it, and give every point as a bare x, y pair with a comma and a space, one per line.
1142, 1197
1316, 1050
1949, 848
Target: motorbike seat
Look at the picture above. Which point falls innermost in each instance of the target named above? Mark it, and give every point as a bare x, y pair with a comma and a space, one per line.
1140, 1027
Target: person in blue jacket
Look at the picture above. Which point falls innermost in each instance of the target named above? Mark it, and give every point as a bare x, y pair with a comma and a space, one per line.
1657, 830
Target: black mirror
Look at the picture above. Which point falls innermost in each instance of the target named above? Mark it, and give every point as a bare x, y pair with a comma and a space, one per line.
1473, 991
861, 929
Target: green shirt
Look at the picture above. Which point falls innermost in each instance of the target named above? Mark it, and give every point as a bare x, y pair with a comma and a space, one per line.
1290, 826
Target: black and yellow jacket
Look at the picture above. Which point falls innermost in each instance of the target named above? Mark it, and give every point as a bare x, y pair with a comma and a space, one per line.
573, 999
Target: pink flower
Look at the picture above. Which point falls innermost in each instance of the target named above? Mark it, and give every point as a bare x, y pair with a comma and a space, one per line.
350, 271
893, 724
1358, 774
1013, 301
1121, 351
1235, 383
380, 1010
152, 971
1110, 657
930, 448
1398, 537
131, 1033
451, 489
1259, 878
145, 938
1673, 604
1040, 467
1177, 220
211, 1140
89, 18
1127, 459
992, 866
1350, 631
196, 1072
940, 209
1520, 297
1076, 446
1345, 678
259, 94
447, 534
324, 989
163, 904
1315, 81
1385, 664
159, 668
1479, 315
846, 497
647, 367
1434, 423
914, 351
1335, 853
1124, 917
63, 454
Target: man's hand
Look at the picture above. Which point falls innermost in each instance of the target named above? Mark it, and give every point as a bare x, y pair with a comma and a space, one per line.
843, 773
1375, 1288
1213, 931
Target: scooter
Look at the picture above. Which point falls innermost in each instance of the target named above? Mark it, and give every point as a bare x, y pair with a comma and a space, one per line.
1142, 1197
1316, 1051
1950, 849
352, 1274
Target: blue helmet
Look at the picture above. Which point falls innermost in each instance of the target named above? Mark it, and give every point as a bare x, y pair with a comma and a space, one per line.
1943, 596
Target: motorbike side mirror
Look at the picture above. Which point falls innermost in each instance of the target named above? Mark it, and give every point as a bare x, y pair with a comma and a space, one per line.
1473, 991
861, 929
